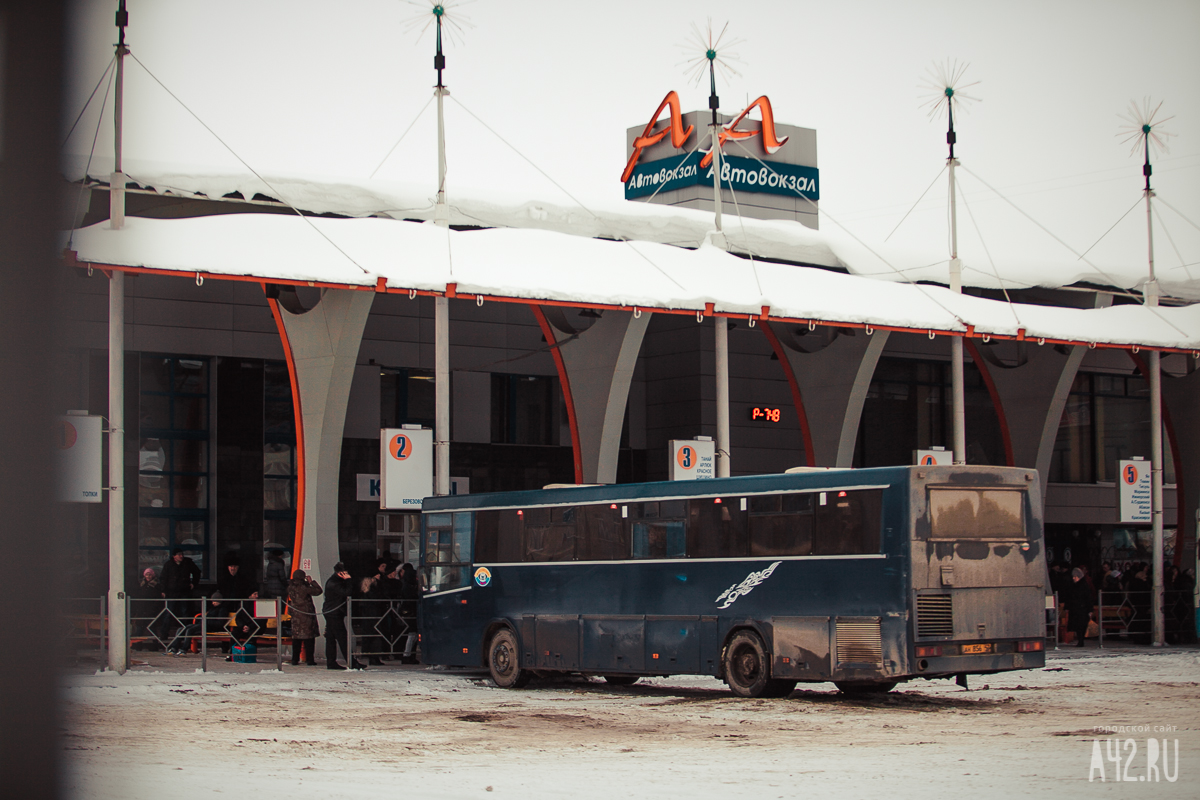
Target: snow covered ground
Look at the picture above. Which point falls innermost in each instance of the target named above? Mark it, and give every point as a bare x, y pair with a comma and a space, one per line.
166, 731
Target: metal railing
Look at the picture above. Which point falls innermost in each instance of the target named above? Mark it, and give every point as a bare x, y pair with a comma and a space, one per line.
382, 628
191, 624
1127, 616
1052, 620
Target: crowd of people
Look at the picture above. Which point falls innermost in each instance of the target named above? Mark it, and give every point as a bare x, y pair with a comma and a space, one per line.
1127, 585
383, 610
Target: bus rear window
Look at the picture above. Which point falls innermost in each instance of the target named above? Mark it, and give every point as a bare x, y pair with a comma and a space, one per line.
976, 514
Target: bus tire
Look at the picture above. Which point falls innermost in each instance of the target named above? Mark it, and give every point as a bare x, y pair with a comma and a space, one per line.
747, 668
621, 680
864, 687
504, 661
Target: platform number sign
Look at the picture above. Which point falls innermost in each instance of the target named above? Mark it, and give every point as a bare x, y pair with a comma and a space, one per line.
77, 443
405, 467
692, 459
932, 458
687, 457
1133, 491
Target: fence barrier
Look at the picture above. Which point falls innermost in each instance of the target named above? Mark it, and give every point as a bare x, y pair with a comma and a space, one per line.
384, 628
1127, 616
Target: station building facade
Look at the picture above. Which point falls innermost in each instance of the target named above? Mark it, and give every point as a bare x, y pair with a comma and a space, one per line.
212, 461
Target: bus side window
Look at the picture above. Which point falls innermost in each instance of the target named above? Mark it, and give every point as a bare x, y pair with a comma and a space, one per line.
602, 534
716, 528
848, 524
659, 539
781, 525
549, 534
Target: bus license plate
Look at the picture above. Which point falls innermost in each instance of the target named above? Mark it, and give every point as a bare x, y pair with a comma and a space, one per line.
975, 649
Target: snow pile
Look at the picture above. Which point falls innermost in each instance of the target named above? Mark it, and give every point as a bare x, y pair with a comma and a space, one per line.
545, 265
629, 221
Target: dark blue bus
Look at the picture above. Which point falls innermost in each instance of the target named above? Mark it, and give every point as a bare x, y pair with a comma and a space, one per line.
862, 577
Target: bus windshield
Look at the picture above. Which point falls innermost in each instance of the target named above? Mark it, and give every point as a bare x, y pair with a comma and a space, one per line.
977, 513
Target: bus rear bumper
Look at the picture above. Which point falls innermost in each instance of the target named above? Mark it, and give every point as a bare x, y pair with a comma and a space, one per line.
943, 666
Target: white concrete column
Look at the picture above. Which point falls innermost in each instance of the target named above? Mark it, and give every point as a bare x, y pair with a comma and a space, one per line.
600, 362
324, 344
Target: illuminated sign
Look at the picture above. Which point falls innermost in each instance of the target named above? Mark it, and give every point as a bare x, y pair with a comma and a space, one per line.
770, 142
764, 414
678, 135
738, 173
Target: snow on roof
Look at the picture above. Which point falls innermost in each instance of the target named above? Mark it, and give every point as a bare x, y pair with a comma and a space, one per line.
783, 240
554, 266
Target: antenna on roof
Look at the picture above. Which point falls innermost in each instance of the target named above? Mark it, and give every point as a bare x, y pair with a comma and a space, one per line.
946, 82
439, 15
714, 55
1143, 130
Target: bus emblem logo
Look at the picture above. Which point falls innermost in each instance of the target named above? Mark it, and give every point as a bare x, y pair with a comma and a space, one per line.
483, 576
730, 595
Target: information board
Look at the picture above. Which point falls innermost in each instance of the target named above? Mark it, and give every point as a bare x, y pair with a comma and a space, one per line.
692, 459
78, 445
1133, 491
405, 466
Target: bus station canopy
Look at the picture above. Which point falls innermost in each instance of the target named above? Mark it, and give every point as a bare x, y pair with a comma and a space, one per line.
640, 256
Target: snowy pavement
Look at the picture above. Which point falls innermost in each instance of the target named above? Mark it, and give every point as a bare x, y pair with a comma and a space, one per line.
165, 730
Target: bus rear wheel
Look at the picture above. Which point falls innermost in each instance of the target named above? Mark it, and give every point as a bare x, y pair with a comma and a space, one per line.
748, 670
621, 680
864, 687
504, 661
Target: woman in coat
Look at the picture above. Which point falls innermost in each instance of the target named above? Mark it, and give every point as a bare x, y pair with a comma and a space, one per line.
301, 591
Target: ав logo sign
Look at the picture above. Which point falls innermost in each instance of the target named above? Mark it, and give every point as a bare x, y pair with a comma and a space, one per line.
400, 447
1130, 474
770, 142
648, 138
928, 461
686, 457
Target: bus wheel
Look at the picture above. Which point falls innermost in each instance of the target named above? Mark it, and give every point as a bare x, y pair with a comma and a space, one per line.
746, 666
621, 680
864, 687
504, 661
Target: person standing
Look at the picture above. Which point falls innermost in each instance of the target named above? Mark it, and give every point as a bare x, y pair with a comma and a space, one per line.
305, 630
1079, 606
275, 579
147, 604
338, 590
179, 578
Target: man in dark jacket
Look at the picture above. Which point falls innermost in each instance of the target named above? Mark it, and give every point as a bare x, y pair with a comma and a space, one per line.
338, 589
233, 584
179, 578
1079, 606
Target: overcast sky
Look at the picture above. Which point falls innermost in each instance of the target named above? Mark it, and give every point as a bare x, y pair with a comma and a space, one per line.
298, 86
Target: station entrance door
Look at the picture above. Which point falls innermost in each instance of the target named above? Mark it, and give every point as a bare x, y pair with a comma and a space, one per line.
398, 536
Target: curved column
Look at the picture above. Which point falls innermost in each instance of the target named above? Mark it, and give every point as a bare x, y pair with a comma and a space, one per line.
596, 367
321, 346
831, 384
